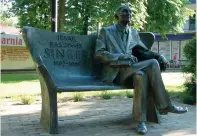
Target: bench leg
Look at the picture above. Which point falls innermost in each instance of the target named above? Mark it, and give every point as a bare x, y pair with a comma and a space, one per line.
49, 116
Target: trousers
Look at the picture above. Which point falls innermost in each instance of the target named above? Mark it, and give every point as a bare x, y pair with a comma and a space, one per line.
145, 76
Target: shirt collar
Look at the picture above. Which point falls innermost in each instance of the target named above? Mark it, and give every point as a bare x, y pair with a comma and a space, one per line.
122, 29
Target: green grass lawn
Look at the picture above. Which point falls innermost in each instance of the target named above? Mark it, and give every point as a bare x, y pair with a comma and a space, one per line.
17, 84
174, 89
18, 77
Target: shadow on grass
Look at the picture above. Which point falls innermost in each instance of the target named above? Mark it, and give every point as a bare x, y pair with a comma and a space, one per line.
18, 77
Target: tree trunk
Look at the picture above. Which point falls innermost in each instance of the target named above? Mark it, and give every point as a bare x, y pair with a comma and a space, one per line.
86, 24
61, 15
85, 14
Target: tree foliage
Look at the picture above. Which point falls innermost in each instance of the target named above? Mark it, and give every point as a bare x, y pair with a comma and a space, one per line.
4, 18
167, 15
81, 16
32, 13
86, 14
190, 54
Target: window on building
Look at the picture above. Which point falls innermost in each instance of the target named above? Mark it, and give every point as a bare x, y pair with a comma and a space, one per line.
192, 22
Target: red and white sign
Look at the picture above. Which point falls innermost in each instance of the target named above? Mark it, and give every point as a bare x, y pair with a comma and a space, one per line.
175, 50
12, 40
14, 53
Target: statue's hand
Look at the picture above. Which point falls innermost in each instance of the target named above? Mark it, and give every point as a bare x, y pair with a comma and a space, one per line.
163, 62
128, 57
163, 59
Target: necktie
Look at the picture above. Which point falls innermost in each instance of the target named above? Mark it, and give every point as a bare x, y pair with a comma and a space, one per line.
124, 38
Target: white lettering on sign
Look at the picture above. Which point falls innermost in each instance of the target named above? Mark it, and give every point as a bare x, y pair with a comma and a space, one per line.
12, 40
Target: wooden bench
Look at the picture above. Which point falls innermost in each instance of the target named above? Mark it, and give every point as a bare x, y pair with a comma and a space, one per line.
65, 63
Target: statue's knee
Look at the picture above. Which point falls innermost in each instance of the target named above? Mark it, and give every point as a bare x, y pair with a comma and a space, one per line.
139, 81
154, 62
139, 74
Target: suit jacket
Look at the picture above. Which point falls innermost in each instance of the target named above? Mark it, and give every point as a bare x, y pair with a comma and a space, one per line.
109, 47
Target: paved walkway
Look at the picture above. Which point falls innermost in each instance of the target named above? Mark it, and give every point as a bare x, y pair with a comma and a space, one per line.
93, 118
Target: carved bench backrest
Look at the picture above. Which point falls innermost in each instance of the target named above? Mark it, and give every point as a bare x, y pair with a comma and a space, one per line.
66, 56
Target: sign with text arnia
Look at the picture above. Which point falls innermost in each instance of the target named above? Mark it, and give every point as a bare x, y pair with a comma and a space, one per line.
14, 54
12, 40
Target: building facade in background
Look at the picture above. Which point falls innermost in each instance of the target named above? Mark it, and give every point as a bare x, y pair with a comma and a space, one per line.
172, 46
190, 25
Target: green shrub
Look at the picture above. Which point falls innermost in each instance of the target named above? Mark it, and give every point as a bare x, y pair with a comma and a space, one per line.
190, 53
188, 100
190, 89
78, 97
129, 94
26, 99
106, 95
190, 67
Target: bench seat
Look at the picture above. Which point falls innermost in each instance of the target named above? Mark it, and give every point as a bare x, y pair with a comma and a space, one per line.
84, 85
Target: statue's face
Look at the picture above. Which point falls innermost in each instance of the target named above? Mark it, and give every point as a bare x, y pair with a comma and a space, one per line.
124, 16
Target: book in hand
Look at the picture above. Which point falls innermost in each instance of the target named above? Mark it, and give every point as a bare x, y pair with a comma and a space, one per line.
120, 63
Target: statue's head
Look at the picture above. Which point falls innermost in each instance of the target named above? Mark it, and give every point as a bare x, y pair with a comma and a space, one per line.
123, 14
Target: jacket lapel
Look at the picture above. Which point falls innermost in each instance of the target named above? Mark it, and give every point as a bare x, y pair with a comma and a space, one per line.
130, 43
119, 40
116, 39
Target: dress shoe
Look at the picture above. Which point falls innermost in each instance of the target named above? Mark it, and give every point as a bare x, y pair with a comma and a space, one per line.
141, 128
173, 109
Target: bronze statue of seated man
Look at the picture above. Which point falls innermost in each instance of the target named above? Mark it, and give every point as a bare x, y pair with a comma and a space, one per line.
119, 42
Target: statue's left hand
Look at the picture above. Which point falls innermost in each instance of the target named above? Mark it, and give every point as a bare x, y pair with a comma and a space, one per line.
163, 63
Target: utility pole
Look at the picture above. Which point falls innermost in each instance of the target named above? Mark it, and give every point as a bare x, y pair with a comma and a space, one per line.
54, 16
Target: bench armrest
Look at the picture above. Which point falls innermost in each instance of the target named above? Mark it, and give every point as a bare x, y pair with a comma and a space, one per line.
44, 73
147, 38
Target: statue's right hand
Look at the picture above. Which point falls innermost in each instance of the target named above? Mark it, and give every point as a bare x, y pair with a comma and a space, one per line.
128, 57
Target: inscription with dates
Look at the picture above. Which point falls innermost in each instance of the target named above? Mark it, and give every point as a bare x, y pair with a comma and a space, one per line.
65, 51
